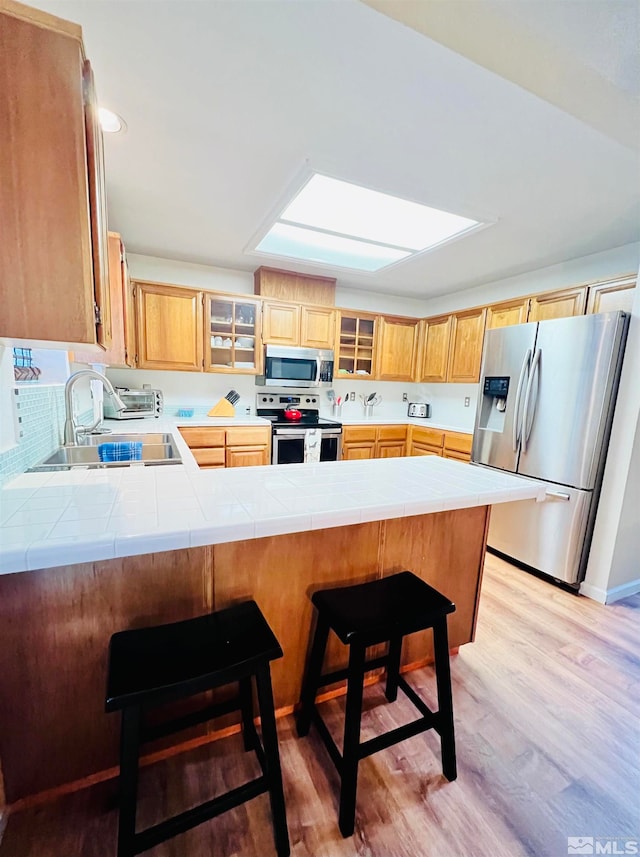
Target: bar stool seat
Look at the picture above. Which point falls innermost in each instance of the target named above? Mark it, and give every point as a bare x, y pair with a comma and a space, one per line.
363, 615
149, 667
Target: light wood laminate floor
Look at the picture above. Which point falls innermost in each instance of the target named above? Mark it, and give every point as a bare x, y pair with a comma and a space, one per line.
548, 737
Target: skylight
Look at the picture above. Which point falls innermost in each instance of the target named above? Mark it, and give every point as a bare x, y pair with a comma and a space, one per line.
336, 223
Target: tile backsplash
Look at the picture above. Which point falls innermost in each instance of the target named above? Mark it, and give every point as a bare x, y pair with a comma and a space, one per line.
40, 412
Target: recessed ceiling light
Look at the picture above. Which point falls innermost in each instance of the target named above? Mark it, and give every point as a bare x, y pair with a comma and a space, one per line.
110, 122
337, 223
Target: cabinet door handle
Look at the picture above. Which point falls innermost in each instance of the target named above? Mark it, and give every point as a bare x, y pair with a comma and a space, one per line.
558, 495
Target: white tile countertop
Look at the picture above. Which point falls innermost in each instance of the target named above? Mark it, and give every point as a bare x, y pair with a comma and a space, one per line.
78, 515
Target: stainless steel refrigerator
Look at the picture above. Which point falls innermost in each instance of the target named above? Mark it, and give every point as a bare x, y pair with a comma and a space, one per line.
547, 396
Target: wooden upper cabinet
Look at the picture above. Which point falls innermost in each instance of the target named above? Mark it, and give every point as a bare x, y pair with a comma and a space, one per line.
292, 286
558, 304
318, 327
436, 336
612, 295
396, 349
52, 218
232, 334
465, 356
169, 321
296, 324
355, 345
507, 313
281, 323
97, 208
121, 351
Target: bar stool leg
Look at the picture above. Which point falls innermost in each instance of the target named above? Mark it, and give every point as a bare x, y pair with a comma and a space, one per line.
351, 744
393, 668
272, 758
445, 701
129, 748
249, 733
312, 677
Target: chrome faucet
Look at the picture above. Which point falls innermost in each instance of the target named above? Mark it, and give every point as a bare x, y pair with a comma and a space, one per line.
71, 429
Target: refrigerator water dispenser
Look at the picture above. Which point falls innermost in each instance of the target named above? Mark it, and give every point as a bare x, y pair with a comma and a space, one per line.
494, 403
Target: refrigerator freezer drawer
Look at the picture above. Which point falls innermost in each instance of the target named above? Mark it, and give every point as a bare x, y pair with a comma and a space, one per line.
548, 536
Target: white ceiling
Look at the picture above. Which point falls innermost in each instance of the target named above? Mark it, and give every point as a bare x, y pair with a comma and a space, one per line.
226, 101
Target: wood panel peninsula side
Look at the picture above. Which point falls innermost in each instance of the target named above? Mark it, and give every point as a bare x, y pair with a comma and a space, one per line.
56, 621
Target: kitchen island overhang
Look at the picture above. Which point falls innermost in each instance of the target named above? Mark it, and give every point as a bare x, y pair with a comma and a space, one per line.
199, 541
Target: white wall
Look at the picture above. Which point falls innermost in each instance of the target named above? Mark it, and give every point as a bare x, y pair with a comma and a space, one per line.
227, 280
598, 266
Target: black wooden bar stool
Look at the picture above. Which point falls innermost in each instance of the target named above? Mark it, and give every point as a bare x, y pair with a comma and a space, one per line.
363, 615
152, 666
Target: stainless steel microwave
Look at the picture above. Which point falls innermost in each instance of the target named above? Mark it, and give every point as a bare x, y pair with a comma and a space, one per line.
139, 403
286, 366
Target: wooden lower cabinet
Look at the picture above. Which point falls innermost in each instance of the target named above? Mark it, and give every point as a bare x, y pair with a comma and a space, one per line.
447, 444
425, 441
246, 456
362, 442
358, 451
390, 449
239, 446
457, 445
56, 625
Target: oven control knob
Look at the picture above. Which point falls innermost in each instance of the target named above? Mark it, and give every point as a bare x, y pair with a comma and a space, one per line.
308, 400
271, 398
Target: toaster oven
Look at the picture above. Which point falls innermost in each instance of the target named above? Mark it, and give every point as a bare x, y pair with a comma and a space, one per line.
139, 403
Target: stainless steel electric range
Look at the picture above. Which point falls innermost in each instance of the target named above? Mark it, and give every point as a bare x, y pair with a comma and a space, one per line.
311, 438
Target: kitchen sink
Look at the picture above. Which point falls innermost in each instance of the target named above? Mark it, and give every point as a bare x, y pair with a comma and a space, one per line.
157, 448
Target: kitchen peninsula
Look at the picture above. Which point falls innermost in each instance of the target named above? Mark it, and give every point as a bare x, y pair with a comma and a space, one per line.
85, 553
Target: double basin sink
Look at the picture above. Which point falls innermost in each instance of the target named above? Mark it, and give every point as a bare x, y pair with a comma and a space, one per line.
157, 448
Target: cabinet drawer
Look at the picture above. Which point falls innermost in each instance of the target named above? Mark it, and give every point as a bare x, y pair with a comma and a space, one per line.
425, 449
427, 435
458, 456
248, 436
202, 436
392, 433
209, 457
358, 434
458, 442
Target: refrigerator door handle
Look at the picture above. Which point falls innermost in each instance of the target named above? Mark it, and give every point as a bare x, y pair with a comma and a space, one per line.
558, 495
526, 423
516, 410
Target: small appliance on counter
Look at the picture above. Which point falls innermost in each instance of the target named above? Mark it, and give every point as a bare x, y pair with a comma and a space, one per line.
419, 409
139, 403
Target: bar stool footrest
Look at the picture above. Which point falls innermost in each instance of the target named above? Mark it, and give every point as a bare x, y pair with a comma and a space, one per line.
152, 836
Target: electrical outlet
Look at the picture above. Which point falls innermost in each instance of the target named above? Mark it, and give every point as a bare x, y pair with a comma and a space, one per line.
467, 401
352, 397
405, 397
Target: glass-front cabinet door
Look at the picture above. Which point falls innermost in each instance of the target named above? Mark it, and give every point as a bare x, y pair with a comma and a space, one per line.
232, 335
357, 337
